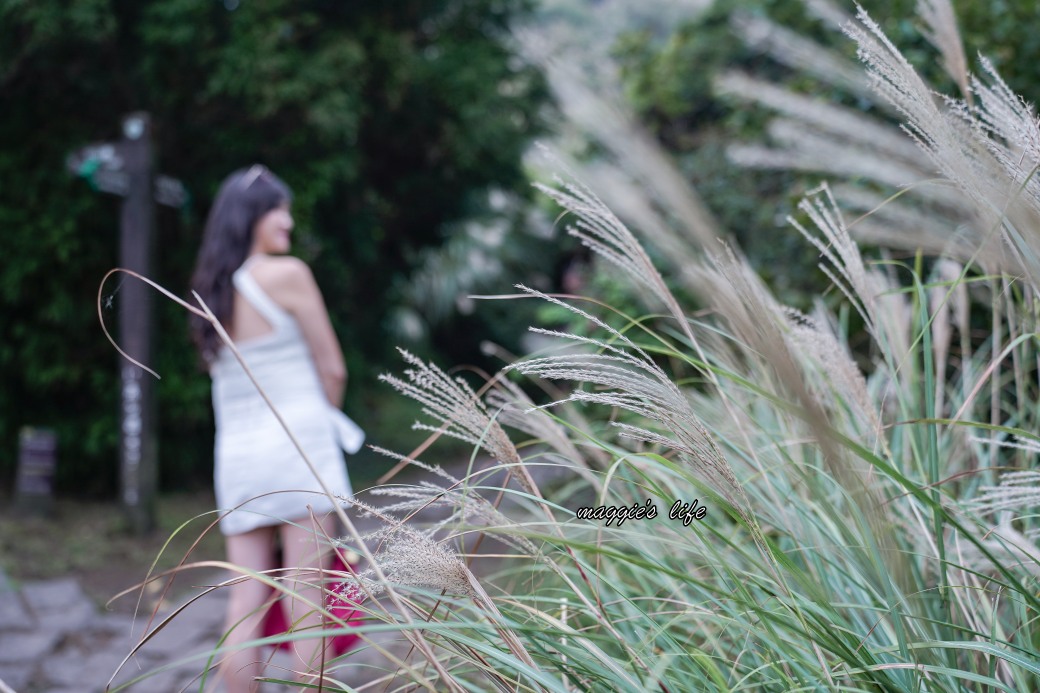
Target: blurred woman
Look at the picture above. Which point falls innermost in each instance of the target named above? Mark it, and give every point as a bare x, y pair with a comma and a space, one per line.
273, 310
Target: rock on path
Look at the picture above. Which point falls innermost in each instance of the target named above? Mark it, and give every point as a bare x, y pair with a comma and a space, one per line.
53, 639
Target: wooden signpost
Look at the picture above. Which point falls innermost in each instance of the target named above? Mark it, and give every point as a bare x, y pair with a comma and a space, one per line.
126, 168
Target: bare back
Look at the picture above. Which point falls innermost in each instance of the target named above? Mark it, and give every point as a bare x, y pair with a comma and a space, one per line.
289, 283
247, 323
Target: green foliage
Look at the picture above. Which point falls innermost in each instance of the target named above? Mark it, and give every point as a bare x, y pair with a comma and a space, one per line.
389, 122
668, 82
1002, 31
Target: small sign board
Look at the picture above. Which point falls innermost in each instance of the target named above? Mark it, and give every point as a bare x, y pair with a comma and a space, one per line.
37, 461
102, 165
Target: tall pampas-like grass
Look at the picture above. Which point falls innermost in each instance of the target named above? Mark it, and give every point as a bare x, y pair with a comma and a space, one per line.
940, 22
984, 150
982, 145
857, 534
754, 498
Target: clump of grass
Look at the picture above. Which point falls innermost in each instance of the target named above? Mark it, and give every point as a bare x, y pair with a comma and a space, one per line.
854, 536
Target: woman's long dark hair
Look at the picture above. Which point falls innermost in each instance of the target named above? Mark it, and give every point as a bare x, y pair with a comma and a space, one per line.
244, 197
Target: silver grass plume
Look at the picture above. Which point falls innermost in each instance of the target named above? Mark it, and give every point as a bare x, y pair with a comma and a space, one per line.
636, 151
635, 205
807, 147
1016, 495
840, 383
455, 404
1010, 131
891, 223
842, 263
827, 138
950, 139
941, 31
466, 506
760, 324
984, 149
460, 410
515, 409
1009, 547
632, 381
1009, 128
602, 232
1017, 492
832, 118
840, 142
800, 53
765, 329
409, 558
894, 78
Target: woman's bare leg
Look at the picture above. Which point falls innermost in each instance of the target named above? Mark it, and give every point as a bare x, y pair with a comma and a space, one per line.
255, 551
306, 549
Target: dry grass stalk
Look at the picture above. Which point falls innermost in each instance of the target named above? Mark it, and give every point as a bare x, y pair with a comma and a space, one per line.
634, 149
987, 150
467, 507
632, 381
461, 411
941, 31
886, 141
801, 54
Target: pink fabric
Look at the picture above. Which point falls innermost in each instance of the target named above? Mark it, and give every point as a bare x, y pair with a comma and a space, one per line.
339, 603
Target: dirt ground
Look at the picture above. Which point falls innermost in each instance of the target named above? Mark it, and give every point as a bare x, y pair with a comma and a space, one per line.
90, 541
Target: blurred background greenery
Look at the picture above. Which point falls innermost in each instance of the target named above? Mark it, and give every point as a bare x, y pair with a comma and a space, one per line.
405, 130
391, 122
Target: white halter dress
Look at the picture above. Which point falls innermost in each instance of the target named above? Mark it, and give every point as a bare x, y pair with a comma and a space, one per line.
260, 477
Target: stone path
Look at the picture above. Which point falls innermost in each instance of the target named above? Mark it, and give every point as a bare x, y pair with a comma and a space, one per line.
54, 639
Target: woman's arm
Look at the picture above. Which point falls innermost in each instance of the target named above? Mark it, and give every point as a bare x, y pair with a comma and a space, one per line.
290, 283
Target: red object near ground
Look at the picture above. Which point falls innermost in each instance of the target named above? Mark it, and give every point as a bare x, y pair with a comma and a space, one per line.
340, 604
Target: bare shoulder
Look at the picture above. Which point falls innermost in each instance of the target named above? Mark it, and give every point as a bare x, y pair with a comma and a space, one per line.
275, 271
284, 278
